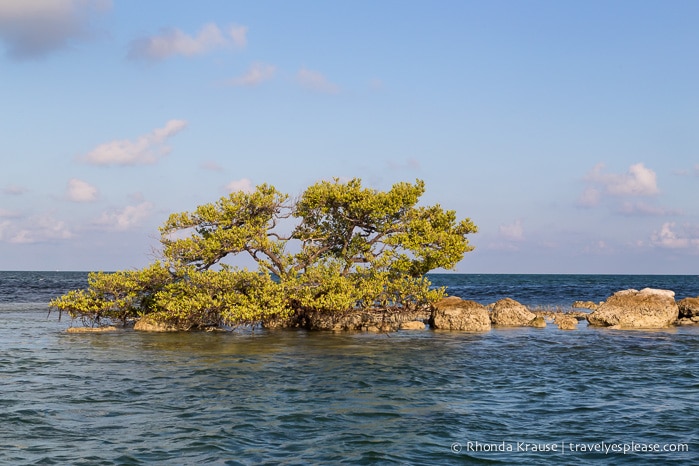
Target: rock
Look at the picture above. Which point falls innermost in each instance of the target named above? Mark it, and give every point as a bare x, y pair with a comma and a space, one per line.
538, 322
585, 305
689, 307
566, 322
454, 313
145, 324
412, 325
110, 328
509, 313
631, 309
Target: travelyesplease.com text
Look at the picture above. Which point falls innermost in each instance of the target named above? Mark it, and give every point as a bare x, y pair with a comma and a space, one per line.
564, 447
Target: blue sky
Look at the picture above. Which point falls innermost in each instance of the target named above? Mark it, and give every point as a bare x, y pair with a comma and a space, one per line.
568, 131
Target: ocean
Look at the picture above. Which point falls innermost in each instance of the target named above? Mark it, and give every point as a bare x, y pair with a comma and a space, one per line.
508, 396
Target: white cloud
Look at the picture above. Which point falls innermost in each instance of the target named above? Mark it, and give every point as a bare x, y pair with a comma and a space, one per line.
513, 231
315, 81
669, 238
125, 219
145, 150
81, 191
244, 185
33, 29
39, 229
258, 73
173, 41
638, 181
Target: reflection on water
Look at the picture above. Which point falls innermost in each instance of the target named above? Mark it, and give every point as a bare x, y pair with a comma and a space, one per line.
294, 397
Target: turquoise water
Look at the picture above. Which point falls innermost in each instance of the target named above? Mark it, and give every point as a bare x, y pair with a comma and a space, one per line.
296, 397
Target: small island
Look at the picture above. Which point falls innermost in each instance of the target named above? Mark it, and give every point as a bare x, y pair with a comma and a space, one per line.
341, 256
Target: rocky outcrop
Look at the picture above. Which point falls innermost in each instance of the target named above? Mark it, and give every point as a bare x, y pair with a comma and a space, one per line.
631, 309
510, 313
361, 320
688, 307
689, 311
144, 324
454, 313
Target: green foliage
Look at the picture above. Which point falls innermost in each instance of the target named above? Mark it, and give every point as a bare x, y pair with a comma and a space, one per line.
212, 298
354, 247
241, 222
115, 296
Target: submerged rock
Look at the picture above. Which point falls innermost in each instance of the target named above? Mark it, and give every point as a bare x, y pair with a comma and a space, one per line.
631, 309
585, 305
538, 322
110, 328
454, 313
509, 313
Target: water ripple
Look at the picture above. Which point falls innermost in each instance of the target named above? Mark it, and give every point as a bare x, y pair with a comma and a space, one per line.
292, 397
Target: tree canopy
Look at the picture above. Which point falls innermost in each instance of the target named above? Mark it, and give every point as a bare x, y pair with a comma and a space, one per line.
337, 248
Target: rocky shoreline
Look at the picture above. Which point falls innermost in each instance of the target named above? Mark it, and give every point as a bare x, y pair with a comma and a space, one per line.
627, 309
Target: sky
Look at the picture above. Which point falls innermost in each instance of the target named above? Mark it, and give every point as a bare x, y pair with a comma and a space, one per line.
567, 131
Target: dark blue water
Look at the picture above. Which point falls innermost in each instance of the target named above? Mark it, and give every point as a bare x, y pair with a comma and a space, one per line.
295, 397
559, 290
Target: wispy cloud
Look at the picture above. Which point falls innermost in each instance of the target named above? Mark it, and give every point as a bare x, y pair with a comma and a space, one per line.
126, 218
171, 42
145, 150
33, 29
14, 190
81, 191
645, 209
670, 238
4, 213
512, 231
211, 166
244, 185
596, 247
407, 164
316, 81
590, 197
694, 171
257, 74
